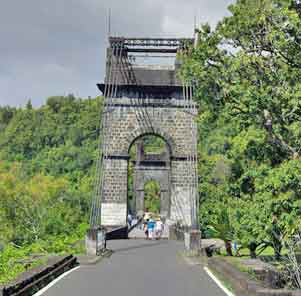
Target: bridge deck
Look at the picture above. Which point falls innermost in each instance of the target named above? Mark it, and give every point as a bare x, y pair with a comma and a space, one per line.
139, 267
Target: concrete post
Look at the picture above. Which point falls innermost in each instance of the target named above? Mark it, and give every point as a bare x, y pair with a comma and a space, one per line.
192, 241
95, 241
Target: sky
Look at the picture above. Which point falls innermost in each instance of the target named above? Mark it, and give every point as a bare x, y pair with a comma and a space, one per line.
57, 47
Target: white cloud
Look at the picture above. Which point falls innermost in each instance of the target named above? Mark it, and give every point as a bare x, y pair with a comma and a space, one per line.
58, 47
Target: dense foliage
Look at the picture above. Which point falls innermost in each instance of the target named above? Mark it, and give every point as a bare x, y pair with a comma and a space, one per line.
247, 73
152, 197
47, 158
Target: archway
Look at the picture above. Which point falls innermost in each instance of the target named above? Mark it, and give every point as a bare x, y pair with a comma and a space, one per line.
149, 176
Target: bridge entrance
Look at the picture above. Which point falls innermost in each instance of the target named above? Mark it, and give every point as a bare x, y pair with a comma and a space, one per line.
150, 173
145, 100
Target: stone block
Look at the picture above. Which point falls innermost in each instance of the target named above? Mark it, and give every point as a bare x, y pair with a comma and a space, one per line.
114, 214
192, 241
95, 241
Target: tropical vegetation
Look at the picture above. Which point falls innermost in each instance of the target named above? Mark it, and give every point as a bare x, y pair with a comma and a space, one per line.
47, 158
246, 74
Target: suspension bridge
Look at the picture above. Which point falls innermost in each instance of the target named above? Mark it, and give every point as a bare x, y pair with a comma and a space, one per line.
146, 100
139, 100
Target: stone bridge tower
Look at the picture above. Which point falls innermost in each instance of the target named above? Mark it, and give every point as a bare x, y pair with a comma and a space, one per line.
147, 100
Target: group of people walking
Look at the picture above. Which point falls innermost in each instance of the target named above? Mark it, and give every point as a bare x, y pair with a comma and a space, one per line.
153, 228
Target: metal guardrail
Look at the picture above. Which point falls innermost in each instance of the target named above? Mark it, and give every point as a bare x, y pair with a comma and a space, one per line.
117, 233
38, 281
154, 45
140, 220
147, 42
122, 232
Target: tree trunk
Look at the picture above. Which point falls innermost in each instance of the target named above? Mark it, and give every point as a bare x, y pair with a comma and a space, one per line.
253, 254
277, 251
228, 247
252, 248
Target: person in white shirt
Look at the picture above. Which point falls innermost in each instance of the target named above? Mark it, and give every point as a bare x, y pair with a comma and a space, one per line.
159, 228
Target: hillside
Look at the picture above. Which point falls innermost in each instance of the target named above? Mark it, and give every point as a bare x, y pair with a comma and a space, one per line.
47, 158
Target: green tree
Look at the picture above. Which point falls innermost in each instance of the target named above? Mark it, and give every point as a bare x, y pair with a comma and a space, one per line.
246, 73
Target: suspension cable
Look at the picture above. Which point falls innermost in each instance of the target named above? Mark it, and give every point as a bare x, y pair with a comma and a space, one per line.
190, 107
96, 200
113, 81
117, 51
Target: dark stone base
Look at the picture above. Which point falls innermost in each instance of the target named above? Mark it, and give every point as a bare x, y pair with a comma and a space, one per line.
192, 240
93, 244
118, 233
175, 233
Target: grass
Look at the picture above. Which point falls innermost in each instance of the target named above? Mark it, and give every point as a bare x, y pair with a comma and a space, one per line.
237, 262
267, 256
245, 253
14, 266
14, 261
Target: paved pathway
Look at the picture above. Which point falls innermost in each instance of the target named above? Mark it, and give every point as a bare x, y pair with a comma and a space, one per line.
139, 268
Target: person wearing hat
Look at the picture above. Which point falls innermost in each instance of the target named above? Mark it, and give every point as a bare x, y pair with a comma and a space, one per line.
159, 228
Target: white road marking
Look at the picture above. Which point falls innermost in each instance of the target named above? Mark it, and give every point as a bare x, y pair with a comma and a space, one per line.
218, 282
41, 292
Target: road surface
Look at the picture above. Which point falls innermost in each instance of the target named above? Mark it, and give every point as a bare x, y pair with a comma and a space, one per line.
139, 267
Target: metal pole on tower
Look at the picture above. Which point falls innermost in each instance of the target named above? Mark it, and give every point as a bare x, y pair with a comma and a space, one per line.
194, 26
109, 22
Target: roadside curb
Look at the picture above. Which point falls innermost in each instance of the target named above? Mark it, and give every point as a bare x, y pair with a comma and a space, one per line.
85, 260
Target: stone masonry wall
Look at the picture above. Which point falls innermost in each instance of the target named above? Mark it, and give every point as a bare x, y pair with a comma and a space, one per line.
115, 181
183, 193
166, 118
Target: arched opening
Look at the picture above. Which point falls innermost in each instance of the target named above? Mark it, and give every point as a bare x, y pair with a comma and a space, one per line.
153, 143
149, 176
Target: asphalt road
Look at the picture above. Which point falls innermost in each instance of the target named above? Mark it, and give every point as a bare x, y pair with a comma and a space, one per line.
139, 267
